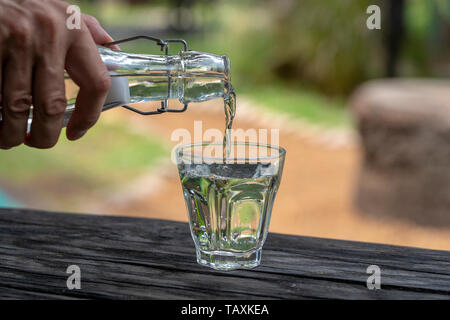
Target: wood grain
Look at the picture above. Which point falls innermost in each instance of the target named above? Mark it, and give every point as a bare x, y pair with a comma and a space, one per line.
135, 258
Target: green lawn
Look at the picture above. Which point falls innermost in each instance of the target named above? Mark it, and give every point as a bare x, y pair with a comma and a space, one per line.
301, 103
108, 155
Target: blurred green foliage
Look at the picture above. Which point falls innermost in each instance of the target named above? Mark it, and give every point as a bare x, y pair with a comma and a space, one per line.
326, 44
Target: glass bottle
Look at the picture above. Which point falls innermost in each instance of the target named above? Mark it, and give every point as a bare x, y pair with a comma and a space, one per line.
189, 76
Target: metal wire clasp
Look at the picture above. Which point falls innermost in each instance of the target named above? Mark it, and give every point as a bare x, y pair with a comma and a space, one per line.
164, 44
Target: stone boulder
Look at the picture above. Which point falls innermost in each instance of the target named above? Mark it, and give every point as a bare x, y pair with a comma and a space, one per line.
404, 126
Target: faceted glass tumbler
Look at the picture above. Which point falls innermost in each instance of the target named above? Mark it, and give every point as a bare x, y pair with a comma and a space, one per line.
229, 197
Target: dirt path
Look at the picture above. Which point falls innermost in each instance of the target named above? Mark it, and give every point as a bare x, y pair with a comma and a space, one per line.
315, 193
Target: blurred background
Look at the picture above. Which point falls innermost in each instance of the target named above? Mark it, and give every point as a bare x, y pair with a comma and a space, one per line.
295, 66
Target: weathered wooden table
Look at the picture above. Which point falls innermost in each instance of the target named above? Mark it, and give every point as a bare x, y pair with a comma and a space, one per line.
128, 258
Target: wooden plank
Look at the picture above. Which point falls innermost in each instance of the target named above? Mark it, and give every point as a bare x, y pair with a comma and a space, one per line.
134, 258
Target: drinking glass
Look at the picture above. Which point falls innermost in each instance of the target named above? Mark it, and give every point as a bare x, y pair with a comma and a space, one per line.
229, 194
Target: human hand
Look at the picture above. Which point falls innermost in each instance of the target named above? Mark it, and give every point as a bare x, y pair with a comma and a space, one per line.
35, 48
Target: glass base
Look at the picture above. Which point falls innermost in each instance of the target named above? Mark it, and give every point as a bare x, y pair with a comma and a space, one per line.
220, 260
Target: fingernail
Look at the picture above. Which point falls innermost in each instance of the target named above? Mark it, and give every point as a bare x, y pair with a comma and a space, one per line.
77, 135
114, 46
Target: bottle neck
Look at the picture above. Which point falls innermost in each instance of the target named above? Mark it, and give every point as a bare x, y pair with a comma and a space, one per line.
186, 64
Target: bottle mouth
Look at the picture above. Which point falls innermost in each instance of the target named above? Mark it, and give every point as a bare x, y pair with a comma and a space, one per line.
226, 67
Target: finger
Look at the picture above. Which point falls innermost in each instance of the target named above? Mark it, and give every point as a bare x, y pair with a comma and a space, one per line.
16, 99
86, 68
49, 100
99, 34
